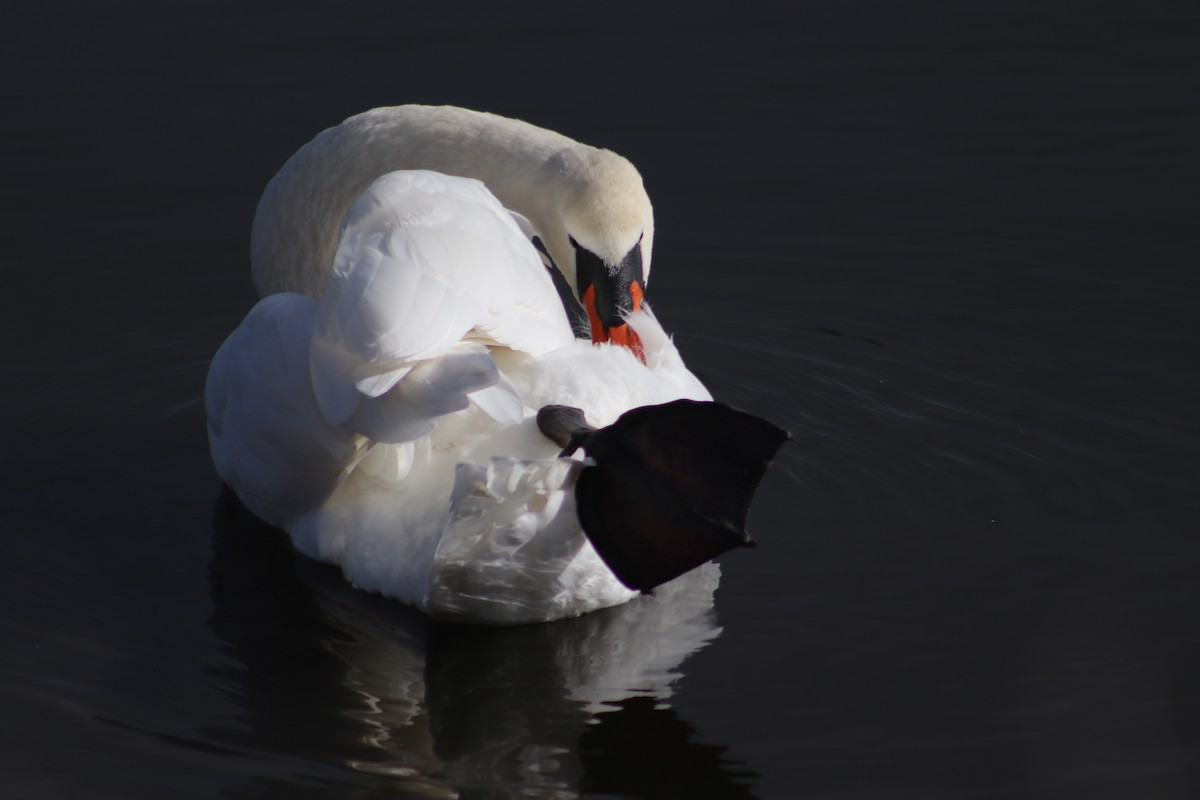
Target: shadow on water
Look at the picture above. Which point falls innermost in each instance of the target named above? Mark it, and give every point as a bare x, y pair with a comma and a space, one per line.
326, 675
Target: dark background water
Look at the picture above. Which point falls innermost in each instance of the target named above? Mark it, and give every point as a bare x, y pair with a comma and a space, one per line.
951, 246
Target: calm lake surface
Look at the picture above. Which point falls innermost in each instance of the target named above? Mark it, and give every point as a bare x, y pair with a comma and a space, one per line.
952, 247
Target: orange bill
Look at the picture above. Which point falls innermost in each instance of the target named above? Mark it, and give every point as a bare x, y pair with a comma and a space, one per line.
617, 334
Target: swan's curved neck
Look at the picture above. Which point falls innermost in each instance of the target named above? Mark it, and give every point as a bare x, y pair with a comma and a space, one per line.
297, 222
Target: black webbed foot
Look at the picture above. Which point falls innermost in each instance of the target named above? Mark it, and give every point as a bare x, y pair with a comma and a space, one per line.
671, 485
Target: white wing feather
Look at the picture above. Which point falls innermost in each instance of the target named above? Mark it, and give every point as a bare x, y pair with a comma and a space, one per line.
425, 262
430, 390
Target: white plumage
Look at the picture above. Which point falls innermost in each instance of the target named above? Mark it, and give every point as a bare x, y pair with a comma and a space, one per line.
389, 427
567, 190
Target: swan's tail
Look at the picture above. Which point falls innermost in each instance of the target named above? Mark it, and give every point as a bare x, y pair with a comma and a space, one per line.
670, 486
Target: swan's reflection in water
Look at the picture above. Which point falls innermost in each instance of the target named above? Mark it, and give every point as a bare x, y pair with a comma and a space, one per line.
327, 675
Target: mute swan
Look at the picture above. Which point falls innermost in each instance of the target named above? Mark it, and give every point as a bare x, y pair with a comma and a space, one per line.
587, 206
391, 426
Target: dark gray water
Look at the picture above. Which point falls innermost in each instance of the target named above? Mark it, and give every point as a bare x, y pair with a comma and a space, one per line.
952, 247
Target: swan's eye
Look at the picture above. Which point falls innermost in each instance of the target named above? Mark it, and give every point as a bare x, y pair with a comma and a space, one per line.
574, 243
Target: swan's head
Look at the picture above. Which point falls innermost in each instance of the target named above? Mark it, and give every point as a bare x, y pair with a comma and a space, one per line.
603, 238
